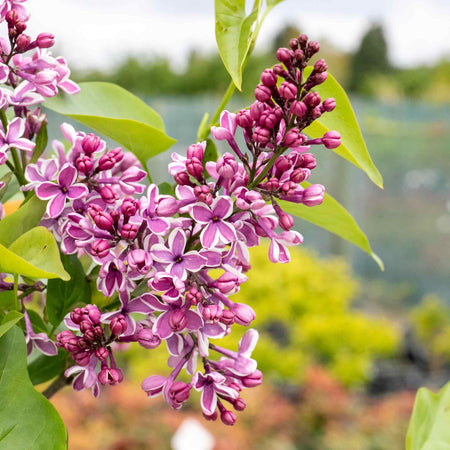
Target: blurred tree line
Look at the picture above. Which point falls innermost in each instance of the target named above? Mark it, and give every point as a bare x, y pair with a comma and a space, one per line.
366, 72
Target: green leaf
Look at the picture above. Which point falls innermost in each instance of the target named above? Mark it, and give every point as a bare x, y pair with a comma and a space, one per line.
27, 419
272, 3
37, 322
62, 295
117, 114
7, 300
5, 179
166, 188
41, 143
332, 216
19, 222
44, 367
429, 426
343, 120
234, 34
34, 254
9, 321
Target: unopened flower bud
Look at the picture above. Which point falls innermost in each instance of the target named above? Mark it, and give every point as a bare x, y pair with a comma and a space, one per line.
262, 93
182, 178
315, 80
94, 314
21, 26
82, 358
279, 70
312, 99
106, 162
293, 43
212, 313
268, 78
85, 325
104, 221
261, 135
288, 90
316, 112
302, 40
300, 175
227, 317
102, 353
203, 194
179, 391
84, 164
228, 417
128, 231
244, 119
45, 40
320, 66
90, 144
299, 55
110, 376
11, 17
147, 339
268, 119
194, 296
329, 104
239, 404
284, 55
307, 161
298, 108
331, 139
212, 417
22, 42
118, 325
293, 138
76, 316
272, 184
196, 151
108, 194
312, 48
129, 206
252, 380
194, 168
140, 260
244, 315
227, 166
313, 195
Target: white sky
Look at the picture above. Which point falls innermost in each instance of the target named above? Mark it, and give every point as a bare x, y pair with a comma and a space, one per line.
100, 33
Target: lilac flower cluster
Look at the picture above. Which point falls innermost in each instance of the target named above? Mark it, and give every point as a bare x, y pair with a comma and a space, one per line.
26, 82
170, 263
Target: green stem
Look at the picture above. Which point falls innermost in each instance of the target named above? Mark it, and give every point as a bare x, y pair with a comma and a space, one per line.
16, 300
264, 171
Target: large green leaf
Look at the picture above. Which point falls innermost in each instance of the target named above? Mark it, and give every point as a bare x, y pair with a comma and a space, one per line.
429, 426
343, 120
234, 34
9, 321
19, 222
44, 367
117, 114
27, 419
62, 295
5, 179
332, 216
34, 255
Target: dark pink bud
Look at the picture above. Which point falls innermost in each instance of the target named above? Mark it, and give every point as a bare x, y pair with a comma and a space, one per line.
84, 164
22, 42
21, 26
89, 336
203, 194
195, 168
320, 66
118, 325
178, 320
239, 404
228, 417
128, 231
288, 90
302, 40
268, 119
243, 314
288, 187
117, 154
147, 339
227, 282
109, 195
129, 207
331, 139
106, 162
45, 40
195, 151
299, 55
212, 313
293, 43
182, 178
90, 143
227, 166
262, 93
293, 138
282, 164
315, 80
252, 380
140, 260
227, 317
279, 70
102, 353
86, 325
11, 17
72, 345
284, 55
268, 78
312, 99
312, 48
98, 331
272, 185
286, 221
316, 112
279, 113
100, 248
261, 135
82, 358
104, 221
83, 344
299, 175
329, 104
307, 160
179, 391
313, 195
76, 316
256, 109
94, 314
194, 296
110, 376
298, 108
212, 417
244, 119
